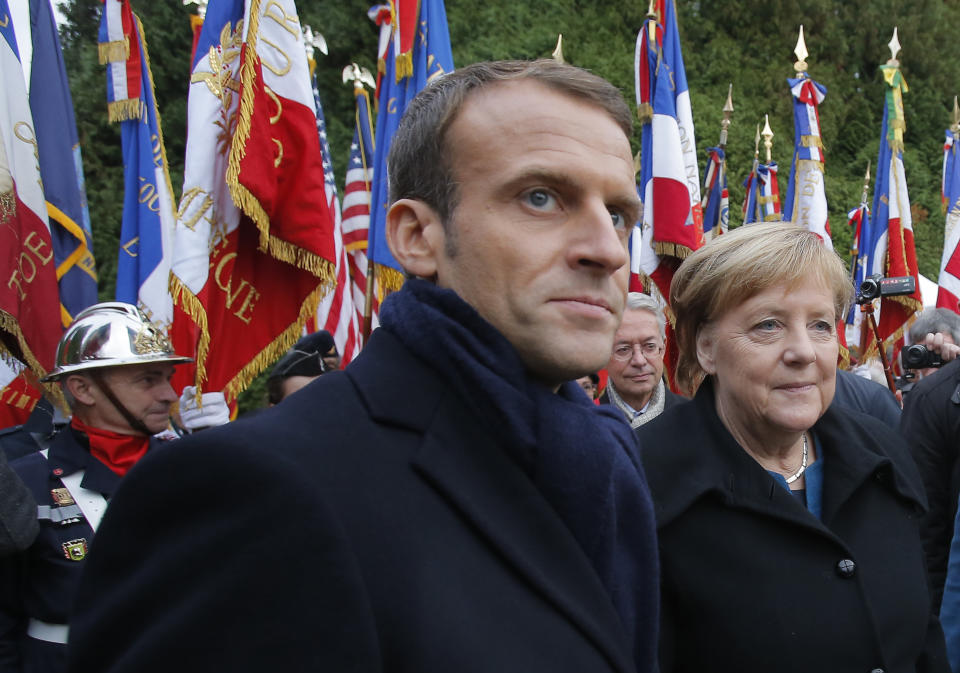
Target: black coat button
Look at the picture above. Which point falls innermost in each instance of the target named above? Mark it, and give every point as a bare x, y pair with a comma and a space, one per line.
846, 568
877, 670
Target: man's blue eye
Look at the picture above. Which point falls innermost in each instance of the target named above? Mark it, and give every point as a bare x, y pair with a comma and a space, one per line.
539, 198
619, 221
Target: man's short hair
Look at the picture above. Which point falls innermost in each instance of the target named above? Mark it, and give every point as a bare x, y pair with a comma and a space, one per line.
420, 163
935, 320
638, 301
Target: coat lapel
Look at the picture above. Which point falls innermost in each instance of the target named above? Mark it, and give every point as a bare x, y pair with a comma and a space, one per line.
461, 460
492, 492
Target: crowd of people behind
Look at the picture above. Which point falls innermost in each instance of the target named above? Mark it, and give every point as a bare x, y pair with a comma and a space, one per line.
464, 496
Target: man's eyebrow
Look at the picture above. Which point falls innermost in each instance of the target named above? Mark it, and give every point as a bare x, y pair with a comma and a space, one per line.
630, 205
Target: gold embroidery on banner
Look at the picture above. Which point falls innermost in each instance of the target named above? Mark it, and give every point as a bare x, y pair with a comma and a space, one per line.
279, 157
274, 119
283, 19
148, 195
269, 66
249, 297
126, 247
201, 212
18, 130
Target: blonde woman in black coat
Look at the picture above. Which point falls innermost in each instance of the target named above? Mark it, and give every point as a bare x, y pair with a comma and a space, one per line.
788, 528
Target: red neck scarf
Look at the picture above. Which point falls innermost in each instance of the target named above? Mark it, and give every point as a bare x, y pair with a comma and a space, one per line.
116, 451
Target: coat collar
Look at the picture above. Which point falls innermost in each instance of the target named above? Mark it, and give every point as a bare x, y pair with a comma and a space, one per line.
462, 461
704, 458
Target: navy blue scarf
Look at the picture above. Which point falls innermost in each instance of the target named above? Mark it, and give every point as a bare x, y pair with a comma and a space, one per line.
583, 458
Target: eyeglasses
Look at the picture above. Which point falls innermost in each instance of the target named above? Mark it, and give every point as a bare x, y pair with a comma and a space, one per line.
624, 352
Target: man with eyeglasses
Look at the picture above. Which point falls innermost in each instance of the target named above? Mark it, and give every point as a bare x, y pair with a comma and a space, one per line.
635, 384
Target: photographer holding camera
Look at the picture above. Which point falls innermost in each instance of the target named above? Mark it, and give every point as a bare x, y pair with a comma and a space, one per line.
930, 424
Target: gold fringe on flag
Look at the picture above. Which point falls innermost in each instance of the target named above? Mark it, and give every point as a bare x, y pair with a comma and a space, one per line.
811, 163
389, 278
276, 348
663, 248
242, 197
113, 52
186, 300
811, 141
156, 114
11, 326
125, 110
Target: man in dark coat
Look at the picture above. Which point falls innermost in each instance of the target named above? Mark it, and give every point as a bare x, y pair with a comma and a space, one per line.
931, 428
635, 385
450, 501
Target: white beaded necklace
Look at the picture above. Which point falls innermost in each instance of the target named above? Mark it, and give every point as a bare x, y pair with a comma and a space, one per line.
803, 465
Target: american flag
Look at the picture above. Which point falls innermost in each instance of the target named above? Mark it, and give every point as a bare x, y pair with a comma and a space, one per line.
336, 312
356, 206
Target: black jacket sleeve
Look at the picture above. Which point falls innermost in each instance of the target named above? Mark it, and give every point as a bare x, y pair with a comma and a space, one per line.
199, 565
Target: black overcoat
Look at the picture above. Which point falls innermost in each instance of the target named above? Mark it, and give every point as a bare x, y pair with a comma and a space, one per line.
368, 523
752, 581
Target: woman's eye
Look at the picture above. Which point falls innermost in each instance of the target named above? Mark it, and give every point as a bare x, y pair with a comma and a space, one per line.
823, 326
767, 325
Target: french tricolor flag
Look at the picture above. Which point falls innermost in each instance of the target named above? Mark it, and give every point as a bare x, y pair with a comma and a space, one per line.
949, 294
669, 186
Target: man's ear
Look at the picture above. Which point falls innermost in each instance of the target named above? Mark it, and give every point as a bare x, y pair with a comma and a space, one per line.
415, 235
80, 387
705, 349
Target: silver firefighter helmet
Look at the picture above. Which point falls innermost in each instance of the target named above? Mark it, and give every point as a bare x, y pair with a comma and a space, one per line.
111, 334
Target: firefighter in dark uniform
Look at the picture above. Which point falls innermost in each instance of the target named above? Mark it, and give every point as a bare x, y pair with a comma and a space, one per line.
114, 367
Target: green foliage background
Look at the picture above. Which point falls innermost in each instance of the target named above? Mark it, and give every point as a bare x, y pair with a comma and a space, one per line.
748, 43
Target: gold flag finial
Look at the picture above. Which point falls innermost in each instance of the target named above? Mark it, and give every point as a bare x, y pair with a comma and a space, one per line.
652, 9
727, 112
955, 126
756, 144
767, 136
558, 52
894, 45
801, 51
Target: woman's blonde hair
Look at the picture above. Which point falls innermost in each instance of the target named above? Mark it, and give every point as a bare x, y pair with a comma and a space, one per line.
738, 265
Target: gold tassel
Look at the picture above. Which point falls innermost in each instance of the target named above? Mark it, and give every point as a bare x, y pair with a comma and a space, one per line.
645, 113
389, 278
114, 52
404, 66
125, 110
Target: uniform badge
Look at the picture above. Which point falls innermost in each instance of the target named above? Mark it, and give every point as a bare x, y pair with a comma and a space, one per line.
62, 497
75, 550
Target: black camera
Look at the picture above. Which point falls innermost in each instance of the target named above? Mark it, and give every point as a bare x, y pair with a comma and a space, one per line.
919, 356
877, 286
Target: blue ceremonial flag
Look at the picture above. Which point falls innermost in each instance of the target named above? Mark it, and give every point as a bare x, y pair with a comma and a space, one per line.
716, 198
762, 202
146, 234
60, 166
432, 57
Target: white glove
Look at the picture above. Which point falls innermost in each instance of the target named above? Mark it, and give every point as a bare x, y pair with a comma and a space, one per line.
211, 411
